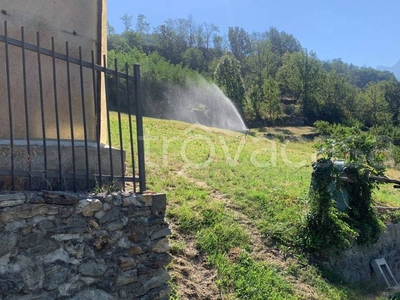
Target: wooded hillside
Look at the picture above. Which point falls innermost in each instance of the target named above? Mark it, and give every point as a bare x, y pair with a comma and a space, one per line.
269, 76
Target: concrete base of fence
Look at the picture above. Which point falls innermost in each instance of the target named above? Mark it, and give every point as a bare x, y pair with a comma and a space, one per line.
111, 161
58, 245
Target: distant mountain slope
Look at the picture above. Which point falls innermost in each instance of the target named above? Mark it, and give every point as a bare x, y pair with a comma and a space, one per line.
395, 69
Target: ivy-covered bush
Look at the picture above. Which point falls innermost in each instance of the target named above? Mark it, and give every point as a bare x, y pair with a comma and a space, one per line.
327, 227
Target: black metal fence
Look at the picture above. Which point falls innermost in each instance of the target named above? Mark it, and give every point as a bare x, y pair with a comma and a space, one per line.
64, 130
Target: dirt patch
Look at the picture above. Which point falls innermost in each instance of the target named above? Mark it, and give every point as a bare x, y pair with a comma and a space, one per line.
194, 278
289, 130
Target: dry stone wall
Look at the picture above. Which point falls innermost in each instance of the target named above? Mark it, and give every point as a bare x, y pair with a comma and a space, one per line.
56, 245
354, 266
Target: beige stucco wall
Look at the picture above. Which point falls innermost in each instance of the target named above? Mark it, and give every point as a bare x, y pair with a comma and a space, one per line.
72, 21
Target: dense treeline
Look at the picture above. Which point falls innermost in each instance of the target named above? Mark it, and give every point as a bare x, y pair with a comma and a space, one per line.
269, 76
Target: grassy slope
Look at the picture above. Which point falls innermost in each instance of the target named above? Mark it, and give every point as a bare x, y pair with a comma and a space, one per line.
234, 203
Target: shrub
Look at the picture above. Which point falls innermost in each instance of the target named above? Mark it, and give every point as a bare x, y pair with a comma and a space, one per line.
326, 227
323, 127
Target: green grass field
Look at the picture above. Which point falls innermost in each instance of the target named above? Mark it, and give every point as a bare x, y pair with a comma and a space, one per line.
235, 205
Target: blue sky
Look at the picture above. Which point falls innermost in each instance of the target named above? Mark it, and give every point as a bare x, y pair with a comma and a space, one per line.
362, 32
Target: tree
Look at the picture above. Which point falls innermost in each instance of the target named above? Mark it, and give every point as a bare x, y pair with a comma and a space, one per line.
288, 77
110, 29
239, 42
281, 42
362, 76
133, 39
310, 71
357, 76
338, 66
209, 29
330, 90
262, 62
259, 56
117, 43
337, 98
200, 37
171, 39
193, 58
127, 21
392, 95
191, 35
376, 110
256, 95
218, 45
272, 99
300, 78
158, 76
142, 27
228, 78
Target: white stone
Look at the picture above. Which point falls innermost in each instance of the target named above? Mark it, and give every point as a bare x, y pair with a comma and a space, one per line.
64, 289
94, 224
114, 226
27, 211
33, 221
89, 206
75, 249
117, 225
7, 200
32, 273
66, 236
106, 207
98, 215
60, 254
122, 280
157, 280
162, 246
4, 260
147, 199
93, 269
8, 240
93, 294
13, 226
161, 233
125, 243
108, 198
89, 280
131, 201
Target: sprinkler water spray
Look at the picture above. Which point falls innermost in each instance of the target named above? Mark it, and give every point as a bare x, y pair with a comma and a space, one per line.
204, 103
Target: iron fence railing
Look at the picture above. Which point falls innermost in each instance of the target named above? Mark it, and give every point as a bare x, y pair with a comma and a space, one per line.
63, 134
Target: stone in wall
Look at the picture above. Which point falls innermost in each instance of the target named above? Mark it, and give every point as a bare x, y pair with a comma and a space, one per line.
354, 265
69, 246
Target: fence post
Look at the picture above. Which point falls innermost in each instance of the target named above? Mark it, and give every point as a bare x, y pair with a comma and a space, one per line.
9, 107
139, 129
